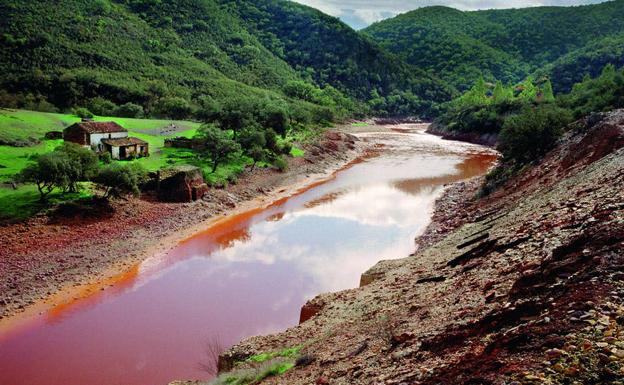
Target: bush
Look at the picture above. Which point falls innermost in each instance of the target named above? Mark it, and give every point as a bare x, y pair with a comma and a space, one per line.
174, 108
106, 158
129, 110
83, 113
280, 163
62, 168
118, 179
531, 134
102, 107
84, 164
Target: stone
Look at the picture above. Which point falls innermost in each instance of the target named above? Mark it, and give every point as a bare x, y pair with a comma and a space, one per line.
180, 184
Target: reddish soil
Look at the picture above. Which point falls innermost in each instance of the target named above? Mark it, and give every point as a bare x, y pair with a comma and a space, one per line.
522, 286
51, 255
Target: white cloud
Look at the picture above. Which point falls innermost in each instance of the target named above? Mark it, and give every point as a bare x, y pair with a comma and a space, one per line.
360, 13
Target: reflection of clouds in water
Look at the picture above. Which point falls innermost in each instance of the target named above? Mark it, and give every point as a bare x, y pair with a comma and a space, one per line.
348, 230
379, 205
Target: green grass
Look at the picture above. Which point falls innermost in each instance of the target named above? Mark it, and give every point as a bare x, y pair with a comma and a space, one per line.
360, 124
297, 152
260, 366
18, 125
13, 159
284, 353
24, 202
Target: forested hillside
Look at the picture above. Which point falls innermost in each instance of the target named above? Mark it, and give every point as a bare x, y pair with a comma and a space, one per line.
177, 58
506, 44
324, 50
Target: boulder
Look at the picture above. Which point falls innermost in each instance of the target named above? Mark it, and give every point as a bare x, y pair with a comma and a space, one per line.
54, 135
181, 184
310, 309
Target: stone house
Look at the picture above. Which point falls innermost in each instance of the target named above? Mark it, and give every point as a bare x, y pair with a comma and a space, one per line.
123, 148
106, 137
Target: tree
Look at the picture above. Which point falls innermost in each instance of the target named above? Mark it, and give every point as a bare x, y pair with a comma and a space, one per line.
531, 134
83, 164
528, 90
501, 93
257, 154
129, 110
235, 114
47, 172
217, 144
83, 113
275, 116
547, 92
118, 179
175, 108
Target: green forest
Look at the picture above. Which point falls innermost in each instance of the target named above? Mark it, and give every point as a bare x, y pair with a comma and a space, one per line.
563, 43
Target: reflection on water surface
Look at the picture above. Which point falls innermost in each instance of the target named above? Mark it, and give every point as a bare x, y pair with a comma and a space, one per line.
248, 275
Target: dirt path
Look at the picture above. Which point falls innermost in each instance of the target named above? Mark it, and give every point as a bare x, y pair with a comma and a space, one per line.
46, 262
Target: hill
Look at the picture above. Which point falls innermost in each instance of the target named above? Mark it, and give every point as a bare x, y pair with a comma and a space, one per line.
504, 44
173, 58
326, 51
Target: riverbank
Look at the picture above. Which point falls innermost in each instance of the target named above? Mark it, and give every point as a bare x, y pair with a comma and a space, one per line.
522, 286
47, 262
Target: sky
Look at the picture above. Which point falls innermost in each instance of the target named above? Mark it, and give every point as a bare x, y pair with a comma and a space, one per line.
361, 13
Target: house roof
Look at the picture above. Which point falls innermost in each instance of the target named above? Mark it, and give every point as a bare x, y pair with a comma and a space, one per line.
122, 142
98, 127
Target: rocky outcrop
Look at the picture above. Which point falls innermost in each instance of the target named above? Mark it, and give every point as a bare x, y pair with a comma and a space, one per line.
525, 287
471, 137
181, 184
54, 135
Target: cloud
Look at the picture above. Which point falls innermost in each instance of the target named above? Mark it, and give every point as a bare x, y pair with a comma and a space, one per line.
361, 13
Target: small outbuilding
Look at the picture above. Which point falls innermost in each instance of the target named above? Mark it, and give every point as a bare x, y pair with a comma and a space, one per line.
124, 148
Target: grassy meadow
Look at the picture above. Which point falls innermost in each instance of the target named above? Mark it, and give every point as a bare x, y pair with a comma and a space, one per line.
22, 126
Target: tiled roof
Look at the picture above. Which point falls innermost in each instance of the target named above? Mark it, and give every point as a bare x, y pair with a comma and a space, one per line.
100, 127
121, 142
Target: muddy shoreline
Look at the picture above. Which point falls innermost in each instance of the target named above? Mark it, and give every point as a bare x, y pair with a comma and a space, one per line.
50, 262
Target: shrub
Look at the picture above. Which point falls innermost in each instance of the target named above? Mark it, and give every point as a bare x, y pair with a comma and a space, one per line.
175, 108
129, 110
102, 107
84, 164
48, 172
83, 112
106, 158
532, 133
280, 163
118, 179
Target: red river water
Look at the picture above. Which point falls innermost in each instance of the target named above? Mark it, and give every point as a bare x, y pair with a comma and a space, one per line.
249, 274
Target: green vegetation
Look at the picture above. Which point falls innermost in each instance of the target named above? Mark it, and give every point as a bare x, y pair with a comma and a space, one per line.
120, 179
174, 59
325, 51
527, 118
260, 366
507, 44
284, 353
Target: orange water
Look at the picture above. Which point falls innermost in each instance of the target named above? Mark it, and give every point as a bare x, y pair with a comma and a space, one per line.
247, 275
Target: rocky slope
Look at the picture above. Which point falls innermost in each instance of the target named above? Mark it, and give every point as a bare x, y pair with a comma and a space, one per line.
525, 287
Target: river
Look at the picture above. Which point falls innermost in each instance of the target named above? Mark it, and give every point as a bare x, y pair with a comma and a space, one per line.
249, 274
